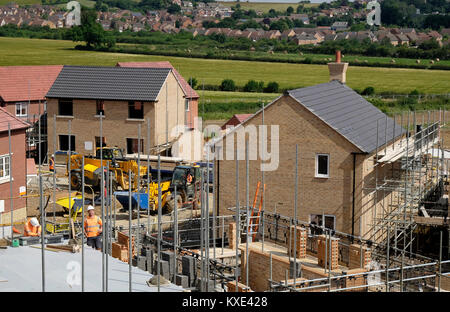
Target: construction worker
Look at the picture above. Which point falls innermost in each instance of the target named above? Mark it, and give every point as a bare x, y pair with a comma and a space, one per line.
93, 229
32, 228
51, 165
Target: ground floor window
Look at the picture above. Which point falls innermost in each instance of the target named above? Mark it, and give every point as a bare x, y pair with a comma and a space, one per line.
4, 167
132, 146
64, 142
316, 219
21, 109
97, 142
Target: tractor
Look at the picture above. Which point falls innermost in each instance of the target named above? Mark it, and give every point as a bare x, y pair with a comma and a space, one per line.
118, 165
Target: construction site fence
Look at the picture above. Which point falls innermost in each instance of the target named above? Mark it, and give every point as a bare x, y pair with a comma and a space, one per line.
420, 277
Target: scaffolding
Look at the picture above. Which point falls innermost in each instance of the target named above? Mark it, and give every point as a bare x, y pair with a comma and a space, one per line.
415, 179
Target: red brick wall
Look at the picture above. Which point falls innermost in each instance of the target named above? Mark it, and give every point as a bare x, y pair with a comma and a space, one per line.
193, 113
33, 109
18, 168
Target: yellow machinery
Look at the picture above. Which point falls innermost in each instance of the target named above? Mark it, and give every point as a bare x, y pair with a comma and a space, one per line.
118, 165
75, 207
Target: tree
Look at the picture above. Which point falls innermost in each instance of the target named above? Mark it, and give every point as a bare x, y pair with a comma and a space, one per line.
92, 32
254, 86
272, 87
192, 82
174, 9
300, 9
290, 10
227, 85
368, 91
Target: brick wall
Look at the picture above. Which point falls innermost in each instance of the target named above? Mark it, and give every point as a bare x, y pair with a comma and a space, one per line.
300, 241
19, 171
323, 252
259, 269
355, 257
353, 281
33, 109
331, 196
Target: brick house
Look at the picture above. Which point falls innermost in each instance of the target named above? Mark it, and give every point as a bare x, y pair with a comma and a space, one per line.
336, 132
126, 97
23, 89
191, 97
18, 165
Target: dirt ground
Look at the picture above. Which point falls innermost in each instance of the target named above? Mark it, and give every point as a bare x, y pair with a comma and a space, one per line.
60, 215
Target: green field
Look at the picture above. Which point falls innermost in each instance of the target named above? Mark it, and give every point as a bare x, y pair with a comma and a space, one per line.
19, 51
266, 6
219, 105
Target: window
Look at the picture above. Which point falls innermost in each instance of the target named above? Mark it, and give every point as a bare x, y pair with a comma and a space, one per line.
132, 146
186, 105
21, 109
316, 219
65, 107
135, 110
97, 142
4, 167
100, 108
64, 142
322, 166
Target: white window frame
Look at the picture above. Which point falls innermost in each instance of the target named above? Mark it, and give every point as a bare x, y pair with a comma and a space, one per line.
187, 105
3, 163
320, 175
21, 106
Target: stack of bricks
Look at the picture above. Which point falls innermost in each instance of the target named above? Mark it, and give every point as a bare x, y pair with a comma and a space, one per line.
232, 235
120, 248
354, 281
231, 286
300, 241
355, 257
323, 243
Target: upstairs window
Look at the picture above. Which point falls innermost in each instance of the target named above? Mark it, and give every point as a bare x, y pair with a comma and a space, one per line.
322, 166
21, 109
4, 167
135, 110
64, 142
186, 105
100, 108
65, 107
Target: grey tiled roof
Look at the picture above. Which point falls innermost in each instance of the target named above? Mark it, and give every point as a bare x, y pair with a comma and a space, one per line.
348, 113
108, 83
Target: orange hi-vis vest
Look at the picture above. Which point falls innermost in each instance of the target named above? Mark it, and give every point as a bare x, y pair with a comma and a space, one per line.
92, 226
52, 164
30, 230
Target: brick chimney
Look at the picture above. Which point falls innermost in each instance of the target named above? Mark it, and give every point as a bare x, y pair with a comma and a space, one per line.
337, 69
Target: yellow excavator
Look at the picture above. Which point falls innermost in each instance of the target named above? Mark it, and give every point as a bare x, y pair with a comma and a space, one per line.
118, 165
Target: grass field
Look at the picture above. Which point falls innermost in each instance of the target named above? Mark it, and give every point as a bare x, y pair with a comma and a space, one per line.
218, 105
20, 51
277, 56
266, 6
